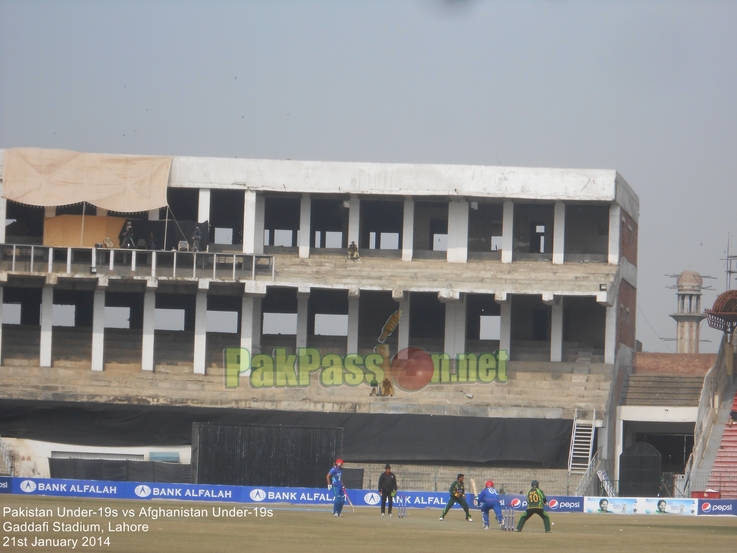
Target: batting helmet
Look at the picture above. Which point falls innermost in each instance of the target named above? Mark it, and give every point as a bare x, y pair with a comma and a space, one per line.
535, 483
489, 484
339, 462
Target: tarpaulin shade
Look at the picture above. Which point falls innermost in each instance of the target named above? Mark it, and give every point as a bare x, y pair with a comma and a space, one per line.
127, 184
366, 437
76, 231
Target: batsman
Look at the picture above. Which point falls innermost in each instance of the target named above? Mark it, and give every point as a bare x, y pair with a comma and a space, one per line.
335, 483
487, 500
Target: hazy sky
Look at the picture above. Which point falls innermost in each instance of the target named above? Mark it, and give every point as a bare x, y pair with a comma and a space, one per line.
646, 88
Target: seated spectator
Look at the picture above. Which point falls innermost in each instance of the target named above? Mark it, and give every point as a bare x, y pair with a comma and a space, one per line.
732, 418
387, 388
353, 251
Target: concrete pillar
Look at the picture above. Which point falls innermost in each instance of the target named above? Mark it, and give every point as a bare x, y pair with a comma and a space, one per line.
404, 322
610, 338
615, 225
455, 328
1, 312
559, 233
98, 330
303, 297
457, 232
203, 206
47, 311
153, 214
253, 223
147, 344
3, 213
251, 324
305, 209
408, 229
50, 211
556, 331
507, 232
354, 220
200, 330
505, 331
103, 213
352, 341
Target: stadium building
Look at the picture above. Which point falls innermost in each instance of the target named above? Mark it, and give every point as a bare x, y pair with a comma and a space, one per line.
440, 315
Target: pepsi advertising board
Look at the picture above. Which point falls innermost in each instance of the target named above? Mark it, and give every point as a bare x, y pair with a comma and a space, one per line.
717, 507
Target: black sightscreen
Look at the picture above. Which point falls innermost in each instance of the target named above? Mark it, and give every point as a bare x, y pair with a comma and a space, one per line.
639, 471
246, 455
121, 471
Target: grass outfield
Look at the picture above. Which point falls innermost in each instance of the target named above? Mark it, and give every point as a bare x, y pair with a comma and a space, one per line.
296, 529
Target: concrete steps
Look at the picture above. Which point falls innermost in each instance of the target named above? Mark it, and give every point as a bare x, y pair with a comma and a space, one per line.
676, 391
723, 475
533, 393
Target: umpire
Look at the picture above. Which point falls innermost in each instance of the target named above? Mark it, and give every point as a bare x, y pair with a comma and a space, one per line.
387, 488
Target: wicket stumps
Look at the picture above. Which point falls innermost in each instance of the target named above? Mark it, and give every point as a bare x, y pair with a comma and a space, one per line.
402, 506
508, 519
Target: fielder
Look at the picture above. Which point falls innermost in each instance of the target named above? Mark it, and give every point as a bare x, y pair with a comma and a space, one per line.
536, 502
457, 495
487, 500
335, 483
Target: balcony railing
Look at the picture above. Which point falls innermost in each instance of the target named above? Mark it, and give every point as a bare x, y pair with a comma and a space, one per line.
132, 262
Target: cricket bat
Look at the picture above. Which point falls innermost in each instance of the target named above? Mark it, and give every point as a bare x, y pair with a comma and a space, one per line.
474, 490
348, 497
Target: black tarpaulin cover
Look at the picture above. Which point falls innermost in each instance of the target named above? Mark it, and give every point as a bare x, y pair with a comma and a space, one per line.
366, 437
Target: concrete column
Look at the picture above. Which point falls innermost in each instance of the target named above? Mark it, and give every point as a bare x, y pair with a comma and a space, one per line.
559, 233
47, 311
354, 220
253, 223
455, 328
147, 344
3, 212
408, 229
610, 339
203, 206
200, 331
153, 214
505, 330
302, 301
615, 225
103, 213
251, 324
556, 331
507, 232
403, 330
457, 232
50, 211
1, 309
305, 209
352, 341
98, 330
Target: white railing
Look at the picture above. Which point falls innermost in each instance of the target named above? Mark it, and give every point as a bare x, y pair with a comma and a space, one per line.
134, 262
589, 481
716, 384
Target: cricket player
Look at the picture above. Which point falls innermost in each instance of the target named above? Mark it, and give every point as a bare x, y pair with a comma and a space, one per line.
487, 500
457, 495
536, 502
335, 483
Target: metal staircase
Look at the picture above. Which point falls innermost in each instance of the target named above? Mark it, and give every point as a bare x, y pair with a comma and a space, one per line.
582, 444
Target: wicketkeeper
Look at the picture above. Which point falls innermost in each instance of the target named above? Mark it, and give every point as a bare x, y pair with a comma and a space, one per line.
536, 502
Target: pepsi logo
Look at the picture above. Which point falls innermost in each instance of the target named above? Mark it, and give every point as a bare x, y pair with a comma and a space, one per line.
553, 503
516, 502
706, 506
